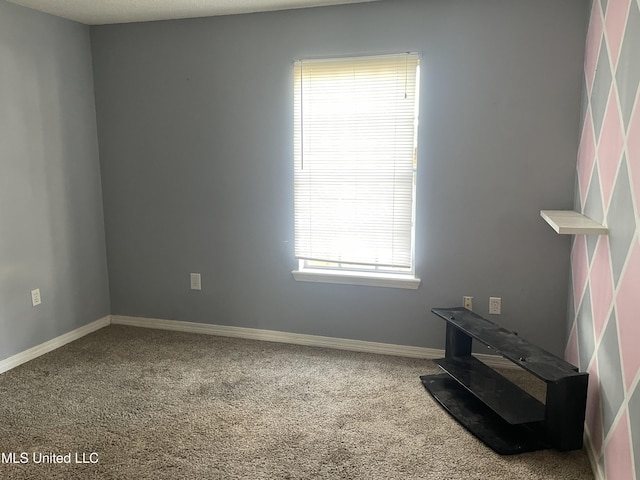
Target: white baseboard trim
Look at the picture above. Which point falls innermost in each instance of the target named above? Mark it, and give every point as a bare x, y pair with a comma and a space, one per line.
239, 332
46, 347
298, 339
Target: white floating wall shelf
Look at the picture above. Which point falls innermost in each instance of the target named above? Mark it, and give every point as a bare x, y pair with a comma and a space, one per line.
568, 222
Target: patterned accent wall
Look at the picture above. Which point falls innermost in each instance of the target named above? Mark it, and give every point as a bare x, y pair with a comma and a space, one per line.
604, 336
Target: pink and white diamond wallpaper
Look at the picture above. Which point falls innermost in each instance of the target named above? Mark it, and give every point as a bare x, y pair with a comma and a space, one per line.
604, 337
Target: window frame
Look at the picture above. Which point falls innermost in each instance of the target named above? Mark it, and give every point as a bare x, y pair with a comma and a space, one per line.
371, 274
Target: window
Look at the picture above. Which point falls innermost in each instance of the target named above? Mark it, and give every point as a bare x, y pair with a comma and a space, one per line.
355, 129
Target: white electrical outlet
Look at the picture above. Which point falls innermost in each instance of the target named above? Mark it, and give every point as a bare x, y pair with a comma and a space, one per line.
195, 282
495, 305
467, 302
35, 297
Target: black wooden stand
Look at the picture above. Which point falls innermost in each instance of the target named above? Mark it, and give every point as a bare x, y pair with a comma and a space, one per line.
499, 413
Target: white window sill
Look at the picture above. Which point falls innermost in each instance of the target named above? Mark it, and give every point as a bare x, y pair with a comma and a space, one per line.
357, 278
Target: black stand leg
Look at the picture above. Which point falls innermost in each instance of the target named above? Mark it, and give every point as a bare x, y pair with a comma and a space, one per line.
457, 343
566, 403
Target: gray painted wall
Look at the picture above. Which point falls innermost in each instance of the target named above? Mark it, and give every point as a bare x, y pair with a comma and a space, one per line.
51, 221
195, 129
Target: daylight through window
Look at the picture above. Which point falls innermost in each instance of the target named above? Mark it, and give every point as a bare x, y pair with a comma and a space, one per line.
355, 162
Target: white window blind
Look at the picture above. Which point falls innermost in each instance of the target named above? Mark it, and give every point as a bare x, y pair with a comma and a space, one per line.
354, 163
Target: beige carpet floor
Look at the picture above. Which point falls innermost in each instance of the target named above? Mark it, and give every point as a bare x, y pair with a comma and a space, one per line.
153, 404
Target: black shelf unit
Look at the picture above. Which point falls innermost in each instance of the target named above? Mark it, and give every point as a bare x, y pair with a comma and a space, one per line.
499, 413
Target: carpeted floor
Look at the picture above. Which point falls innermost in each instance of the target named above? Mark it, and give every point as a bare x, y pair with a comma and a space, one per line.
152, 404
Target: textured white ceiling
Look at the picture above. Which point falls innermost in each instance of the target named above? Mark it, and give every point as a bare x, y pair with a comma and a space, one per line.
98, 12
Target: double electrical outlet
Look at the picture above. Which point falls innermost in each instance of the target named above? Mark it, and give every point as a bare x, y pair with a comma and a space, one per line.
35, 297
495, 304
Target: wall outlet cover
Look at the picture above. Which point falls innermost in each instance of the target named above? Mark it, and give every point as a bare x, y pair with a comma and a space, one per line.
35, 297
467, 302
495, 305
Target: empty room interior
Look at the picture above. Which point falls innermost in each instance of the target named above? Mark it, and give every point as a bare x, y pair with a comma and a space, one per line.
224, 226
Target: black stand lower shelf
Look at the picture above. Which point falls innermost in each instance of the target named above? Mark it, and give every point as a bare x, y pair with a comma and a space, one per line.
480, 420
503, 416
